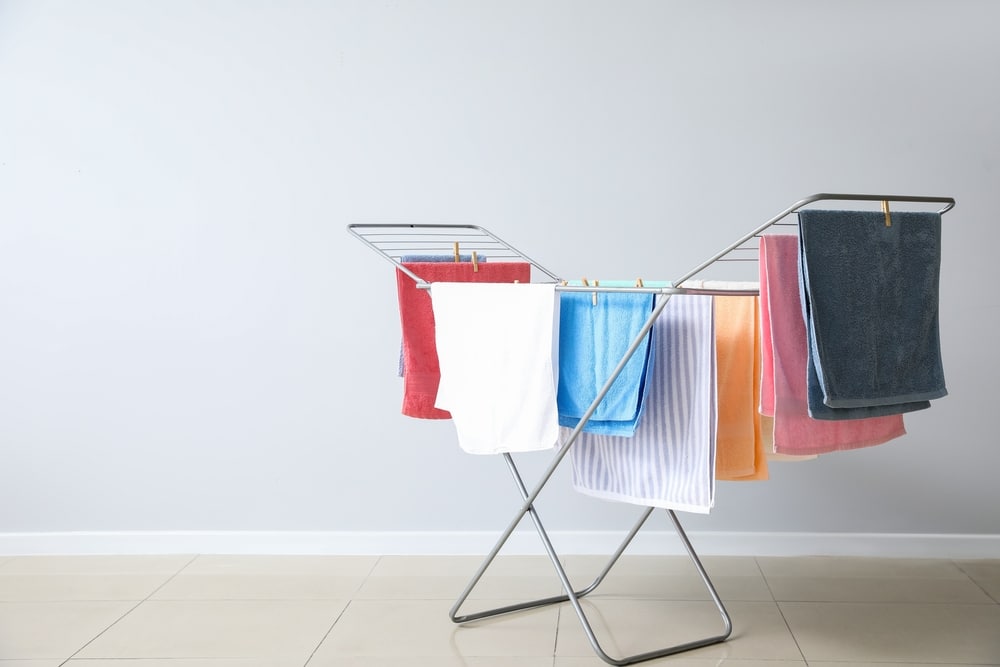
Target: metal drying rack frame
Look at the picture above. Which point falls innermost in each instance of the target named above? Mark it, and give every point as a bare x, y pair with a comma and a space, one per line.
394, 241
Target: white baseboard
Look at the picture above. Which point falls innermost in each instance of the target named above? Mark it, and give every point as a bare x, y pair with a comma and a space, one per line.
706, 543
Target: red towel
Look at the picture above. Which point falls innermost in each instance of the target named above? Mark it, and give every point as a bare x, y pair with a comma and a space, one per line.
420, 382
783, 385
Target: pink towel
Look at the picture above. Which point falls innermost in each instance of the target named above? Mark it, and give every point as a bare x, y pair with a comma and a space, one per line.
416, 318
766, 353
784, 354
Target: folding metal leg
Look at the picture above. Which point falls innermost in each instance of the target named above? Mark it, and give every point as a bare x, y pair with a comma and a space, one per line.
572, 596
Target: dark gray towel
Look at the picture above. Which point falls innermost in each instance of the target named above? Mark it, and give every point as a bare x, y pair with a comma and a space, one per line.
870, 302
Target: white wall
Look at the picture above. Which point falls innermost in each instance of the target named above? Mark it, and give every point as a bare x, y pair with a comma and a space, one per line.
190, 340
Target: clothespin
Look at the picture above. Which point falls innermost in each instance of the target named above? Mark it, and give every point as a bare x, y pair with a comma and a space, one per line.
885, 211
638, 282
587, 284
457, 256
475, 263
593, 296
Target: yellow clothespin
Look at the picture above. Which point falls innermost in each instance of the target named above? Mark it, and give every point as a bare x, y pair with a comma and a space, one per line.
638, 282
475, 263
455, 246
885, 211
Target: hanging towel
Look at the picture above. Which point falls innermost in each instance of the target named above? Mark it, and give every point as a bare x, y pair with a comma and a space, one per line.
767, 439
496, 345
744, 439
740, 447
670, 461
870, 301
783, 386
766, 394
420, 382
767, 421
593, 339
410, 259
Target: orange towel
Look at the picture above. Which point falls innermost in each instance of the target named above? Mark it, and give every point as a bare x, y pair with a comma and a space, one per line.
741, 449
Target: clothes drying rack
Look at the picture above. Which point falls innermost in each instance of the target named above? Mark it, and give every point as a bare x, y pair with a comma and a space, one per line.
394, 241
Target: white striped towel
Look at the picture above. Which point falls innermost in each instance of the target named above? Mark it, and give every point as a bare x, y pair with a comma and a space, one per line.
670, 461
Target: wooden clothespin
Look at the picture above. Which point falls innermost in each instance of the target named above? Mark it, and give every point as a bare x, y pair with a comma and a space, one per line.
475, 262
593, 296
638, 282
885, 211
457, 256
587, 284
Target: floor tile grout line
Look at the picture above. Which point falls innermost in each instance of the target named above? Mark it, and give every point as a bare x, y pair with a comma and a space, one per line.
129, 611
767, 583
996, 599
367, 576
791, 632
967, 577
893, 603
327, 633
555, 638
185, 566
781, 612
375, 564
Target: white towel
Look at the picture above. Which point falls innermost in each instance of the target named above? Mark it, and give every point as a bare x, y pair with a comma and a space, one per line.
497, 346
670, 461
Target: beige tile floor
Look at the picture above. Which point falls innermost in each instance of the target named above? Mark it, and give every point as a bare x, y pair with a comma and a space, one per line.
332, 611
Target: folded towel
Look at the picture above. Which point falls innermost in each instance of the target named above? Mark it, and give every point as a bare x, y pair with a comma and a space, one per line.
740, 449
670, 460
593, 339
409, 259
783, 385
496, 345
870, 301
406, 259
420, 383
741, 285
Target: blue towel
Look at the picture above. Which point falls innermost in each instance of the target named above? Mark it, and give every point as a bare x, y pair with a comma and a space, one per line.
870, 302
593, 339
